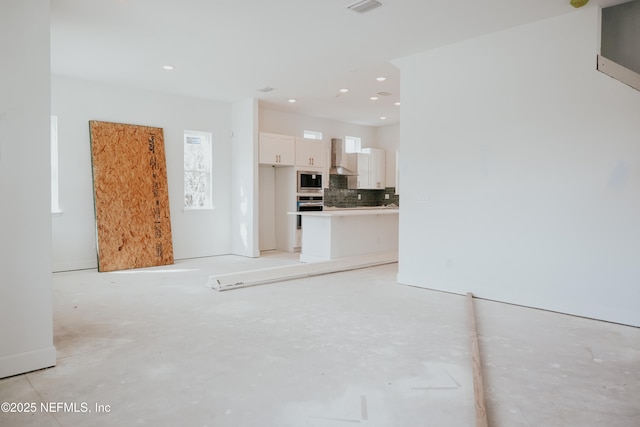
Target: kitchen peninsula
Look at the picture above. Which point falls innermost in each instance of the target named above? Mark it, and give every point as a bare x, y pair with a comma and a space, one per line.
340, 233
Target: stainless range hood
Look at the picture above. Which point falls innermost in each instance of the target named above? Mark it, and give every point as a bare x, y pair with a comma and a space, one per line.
342, 163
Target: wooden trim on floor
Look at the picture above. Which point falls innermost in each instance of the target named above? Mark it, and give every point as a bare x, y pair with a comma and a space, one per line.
225, 282
478, 384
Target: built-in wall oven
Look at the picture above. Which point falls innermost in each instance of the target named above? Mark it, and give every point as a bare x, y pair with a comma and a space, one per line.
308, 204
309, 182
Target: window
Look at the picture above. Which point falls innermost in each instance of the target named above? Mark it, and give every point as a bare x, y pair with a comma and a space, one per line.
55, 198
197, 170
312, 134
352, 144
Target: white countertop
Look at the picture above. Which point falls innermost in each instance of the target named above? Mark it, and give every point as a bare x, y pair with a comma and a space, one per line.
331, 212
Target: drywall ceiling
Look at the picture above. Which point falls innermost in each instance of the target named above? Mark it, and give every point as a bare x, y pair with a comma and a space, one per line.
305, 49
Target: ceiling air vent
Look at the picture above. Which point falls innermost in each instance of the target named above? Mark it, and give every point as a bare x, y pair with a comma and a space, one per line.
384, 93
265, 89
364, 6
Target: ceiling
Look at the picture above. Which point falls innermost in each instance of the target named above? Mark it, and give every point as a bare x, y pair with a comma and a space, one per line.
305, 49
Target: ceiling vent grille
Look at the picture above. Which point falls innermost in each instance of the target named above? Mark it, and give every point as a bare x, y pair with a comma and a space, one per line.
265, 89
384, 93
364, 6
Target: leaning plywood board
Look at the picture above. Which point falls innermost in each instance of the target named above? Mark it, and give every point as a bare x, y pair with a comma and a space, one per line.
131, 196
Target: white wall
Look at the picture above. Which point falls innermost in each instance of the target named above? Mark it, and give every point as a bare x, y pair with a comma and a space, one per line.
244, 179
267, 208
521, 172
286, 123
75, 102
26, 331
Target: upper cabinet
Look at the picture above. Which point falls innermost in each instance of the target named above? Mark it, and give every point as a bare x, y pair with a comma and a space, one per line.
277, 150
378, 168
371, 169
310, 152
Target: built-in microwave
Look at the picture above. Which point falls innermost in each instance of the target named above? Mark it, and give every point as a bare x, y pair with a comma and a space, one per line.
309, 182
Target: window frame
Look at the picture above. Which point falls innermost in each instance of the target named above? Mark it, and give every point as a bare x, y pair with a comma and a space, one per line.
207, 170
312, 134
352, 144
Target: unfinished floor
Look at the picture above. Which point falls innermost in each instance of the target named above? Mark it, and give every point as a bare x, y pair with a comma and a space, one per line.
157, 347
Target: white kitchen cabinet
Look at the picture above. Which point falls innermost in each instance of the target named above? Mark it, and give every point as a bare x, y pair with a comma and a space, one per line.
310, 152
364, 171
277, 150
378, 169
371, 169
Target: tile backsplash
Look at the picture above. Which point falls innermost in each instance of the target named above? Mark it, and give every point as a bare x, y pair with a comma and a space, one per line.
340, 196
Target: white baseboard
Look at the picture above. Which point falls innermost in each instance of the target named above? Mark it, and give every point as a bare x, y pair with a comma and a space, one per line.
20, 363
83, 264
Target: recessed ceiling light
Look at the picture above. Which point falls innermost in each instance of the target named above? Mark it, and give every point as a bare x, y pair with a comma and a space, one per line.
374, 98
292, 100
344, 90
168, 67
381, 79
383, 118
396, 103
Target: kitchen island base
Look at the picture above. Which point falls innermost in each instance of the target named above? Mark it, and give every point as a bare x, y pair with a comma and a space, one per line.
335, 234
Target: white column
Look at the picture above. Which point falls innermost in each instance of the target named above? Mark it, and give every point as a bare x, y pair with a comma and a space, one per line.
26, 334
244, 180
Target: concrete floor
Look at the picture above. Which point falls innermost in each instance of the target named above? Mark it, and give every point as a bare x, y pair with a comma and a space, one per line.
157, 347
